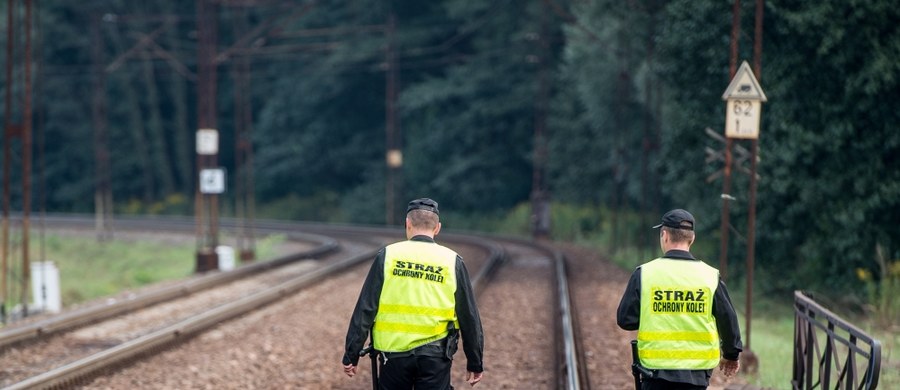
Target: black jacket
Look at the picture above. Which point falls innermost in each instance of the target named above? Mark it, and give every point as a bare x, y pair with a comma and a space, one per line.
367, 306
629, 316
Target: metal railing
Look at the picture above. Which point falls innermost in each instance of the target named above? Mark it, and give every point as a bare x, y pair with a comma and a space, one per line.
829, 352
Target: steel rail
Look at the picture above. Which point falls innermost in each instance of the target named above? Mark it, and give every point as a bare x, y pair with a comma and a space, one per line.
76, 372
573, 375
69, 320
573, 368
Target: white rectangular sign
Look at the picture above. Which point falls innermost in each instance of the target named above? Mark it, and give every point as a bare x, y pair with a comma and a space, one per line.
212, 181
742, 118
207, 141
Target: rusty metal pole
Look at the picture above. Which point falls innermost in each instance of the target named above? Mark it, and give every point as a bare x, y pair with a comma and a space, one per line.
754, 153
199, 201
7, 138
757, 40
206, 119
212, 99
726, 177
735, 34
26, 163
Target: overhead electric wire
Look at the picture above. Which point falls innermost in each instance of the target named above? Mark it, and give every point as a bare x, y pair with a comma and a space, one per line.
188, 46
459, 36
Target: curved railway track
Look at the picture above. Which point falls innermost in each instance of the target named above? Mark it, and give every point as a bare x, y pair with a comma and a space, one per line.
548, 343
27, 331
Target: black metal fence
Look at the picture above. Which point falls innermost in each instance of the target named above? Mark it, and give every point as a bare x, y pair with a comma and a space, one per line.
830, 353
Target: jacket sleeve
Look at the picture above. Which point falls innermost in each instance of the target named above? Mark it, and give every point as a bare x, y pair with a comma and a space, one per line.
364, 314
727, 324
628, 316
469, 319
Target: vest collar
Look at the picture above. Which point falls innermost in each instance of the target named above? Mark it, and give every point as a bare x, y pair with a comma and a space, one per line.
422, 238
679, 254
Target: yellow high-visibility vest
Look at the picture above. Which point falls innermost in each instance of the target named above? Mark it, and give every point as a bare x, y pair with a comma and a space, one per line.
677, 329
418, 299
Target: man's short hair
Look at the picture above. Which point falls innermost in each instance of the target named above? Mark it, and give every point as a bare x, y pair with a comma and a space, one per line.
422, 219
679, 235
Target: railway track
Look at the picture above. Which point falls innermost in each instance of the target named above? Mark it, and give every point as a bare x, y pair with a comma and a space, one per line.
29, 331
321, 293
123, 328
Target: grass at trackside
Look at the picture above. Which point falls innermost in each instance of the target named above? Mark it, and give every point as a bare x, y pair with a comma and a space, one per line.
89, 269
115, 265
771, 340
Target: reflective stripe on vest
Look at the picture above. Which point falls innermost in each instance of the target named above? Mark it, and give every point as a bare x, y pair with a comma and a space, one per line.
418, 299
677, 328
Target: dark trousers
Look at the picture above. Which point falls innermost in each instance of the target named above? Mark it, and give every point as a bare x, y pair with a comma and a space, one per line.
415, 372
660, 384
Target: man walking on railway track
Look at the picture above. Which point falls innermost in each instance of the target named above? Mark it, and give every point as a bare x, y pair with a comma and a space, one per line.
682, 312
416, 300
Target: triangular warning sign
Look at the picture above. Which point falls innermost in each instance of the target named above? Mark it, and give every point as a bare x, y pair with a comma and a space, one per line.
744, 86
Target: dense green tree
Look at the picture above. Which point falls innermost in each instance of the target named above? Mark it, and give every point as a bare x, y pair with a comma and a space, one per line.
321, 121
626, 90
828, 187
469, 129
598, 137
833, 178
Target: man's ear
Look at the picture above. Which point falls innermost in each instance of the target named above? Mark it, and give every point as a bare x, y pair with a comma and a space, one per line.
437, 228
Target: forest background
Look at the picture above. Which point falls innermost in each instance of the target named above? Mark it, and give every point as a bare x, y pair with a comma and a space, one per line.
601, 107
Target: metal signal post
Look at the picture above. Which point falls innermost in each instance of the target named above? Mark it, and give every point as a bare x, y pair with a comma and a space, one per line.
22, 131
744, 98
206, 205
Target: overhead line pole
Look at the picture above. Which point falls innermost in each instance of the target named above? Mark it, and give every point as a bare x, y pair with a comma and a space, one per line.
726, 171
247, 38
754, 153
206, 205
7, 151
103, 197
12, 131
26, 163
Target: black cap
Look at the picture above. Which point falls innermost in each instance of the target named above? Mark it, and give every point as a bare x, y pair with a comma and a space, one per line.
423, 204
678, 219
